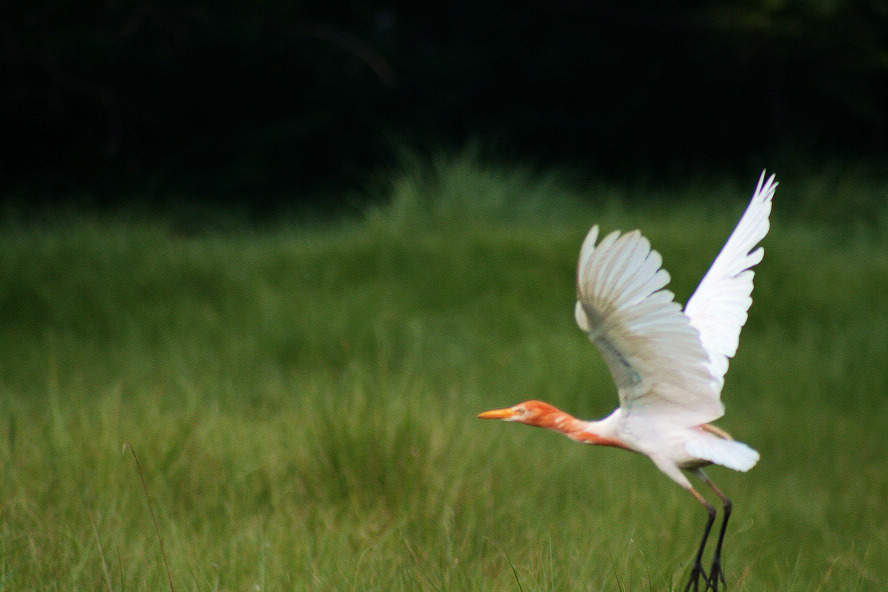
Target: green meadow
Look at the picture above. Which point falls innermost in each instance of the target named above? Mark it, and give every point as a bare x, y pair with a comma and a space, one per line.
292, 406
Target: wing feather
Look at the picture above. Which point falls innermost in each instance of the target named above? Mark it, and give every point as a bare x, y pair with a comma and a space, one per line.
654, 354
718, 308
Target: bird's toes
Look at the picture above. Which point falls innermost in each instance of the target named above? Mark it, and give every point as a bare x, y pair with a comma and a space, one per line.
716, 577
697, 572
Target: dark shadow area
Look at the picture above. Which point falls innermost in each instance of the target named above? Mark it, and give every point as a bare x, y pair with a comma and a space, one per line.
264, 102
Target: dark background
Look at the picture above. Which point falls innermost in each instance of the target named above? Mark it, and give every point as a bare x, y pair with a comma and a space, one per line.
266, 101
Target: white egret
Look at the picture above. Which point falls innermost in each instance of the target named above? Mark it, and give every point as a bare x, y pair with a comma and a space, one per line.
668, 363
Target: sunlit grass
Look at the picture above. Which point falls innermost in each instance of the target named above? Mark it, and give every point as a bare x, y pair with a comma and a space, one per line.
301, 401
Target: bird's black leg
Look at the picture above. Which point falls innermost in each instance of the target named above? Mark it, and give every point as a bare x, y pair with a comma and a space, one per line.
697, 569
716, 574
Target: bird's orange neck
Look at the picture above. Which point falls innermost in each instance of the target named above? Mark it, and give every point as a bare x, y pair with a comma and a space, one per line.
552, 418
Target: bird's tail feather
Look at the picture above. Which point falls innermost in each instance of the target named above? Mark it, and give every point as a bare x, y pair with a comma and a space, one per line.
727, 453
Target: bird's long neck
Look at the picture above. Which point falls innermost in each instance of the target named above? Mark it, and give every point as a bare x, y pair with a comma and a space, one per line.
587, 432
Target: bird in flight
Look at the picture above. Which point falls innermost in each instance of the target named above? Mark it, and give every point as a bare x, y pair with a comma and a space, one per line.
668, 364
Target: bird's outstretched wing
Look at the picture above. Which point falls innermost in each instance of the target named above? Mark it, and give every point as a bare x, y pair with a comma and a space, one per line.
648, 343
718, 308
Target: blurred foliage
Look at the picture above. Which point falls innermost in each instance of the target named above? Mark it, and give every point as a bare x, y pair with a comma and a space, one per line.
268, 98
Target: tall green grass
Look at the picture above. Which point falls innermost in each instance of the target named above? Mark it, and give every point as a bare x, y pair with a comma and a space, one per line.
301, 401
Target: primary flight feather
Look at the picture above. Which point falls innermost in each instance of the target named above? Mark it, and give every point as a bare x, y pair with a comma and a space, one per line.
668, 364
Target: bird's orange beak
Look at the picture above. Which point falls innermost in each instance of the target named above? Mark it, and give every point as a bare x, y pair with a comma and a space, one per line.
506, 413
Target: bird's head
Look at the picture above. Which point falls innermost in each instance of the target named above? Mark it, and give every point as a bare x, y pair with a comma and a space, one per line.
535, 413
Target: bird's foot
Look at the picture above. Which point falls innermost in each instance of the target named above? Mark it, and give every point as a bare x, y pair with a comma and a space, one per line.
694, 581
716, 576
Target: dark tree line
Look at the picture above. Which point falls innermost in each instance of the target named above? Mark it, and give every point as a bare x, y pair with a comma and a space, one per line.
267, 98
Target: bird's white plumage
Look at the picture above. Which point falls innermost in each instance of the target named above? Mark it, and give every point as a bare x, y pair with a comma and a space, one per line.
648, 343
718, 308
727, 453
667, 363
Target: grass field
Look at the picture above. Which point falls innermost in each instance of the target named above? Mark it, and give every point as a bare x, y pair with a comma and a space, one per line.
293, 408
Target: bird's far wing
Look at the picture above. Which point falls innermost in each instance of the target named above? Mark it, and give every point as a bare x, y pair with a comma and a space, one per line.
649, 345
717, 309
